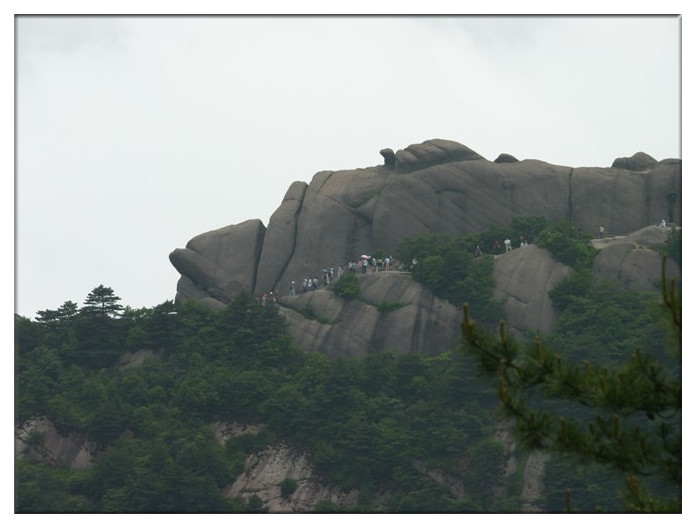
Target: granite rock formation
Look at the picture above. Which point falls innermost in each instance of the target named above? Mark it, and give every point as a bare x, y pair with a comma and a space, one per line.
441, 186
394, 313
523, 280
39, 439
631, 260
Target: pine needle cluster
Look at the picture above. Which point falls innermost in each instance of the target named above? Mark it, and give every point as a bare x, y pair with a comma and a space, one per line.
626, 416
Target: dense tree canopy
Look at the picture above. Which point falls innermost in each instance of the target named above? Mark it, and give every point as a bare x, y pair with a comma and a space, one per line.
383, 422
364, 421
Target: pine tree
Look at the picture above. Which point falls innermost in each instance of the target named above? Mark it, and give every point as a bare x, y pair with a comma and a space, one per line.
628, 417
102, 301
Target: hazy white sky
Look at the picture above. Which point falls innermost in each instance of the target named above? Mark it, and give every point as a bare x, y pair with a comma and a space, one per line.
135, 134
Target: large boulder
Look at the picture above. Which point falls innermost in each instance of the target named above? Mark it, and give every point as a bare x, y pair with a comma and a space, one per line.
432, 152
640, 161
523, 280
219, 264
634, 260
280, 238
393, 313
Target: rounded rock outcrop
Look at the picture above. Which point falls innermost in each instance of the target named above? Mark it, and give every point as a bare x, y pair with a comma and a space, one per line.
219, 264
640, 161
389, 157
432, 152
633, 260
523, 280
506, 158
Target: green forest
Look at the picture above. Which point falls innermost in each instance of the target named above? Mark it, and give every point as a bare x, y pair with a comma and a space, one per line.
364, 420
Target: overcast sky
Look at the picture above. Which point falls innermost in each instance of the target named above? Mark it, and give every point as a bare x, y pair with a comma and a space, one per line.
135, 134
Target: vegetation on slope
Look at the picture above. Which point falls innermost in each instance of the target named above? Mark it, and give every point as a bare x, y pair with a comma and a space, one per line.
365, 421
592, 404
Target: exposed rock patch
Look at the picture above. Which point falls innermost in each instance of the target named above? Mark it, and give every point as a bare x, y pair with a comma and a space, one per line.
136, 359
38, 438
523, 279
264, 471
451, 483
533, 487
226, 430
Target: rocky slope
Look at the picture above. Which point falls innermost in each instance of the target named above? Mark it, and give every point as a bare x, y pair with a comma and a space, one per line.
394, 313
39, 439
419, 322
266, 469
437, 185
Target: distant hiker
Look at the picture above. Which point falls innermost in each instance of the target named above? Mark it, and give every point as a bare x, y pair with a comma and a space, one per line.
387, 262
663, 224
508, 245
479, 253
292, 289
496, 247
601, 231
414, 262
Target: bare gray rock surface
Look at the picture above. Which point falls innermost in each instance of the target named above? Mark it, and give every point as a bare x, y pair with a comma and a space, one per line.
638, 162
220, 263
38, 438
265, 470
280, 238
633, 261
437, 185
416, 321
523, 279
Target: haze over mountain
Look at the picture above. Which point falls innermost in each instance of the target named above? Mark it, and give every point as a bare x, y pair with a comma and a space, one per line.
136, 133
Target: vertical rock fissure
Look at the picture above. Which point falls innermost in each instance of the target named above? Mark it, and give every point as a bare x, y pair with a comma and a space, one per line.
296, 221
647, 197
259, 244
415, 337
676, 186
570, 196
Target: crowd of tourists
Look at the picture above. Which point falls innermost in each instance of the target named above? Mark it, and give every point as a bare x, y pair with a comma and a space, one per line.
363, 265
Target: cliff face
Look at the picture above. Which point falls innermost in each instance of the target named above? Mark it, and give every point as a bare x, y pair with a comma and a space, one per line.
437, 185
39, 439
414, 319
